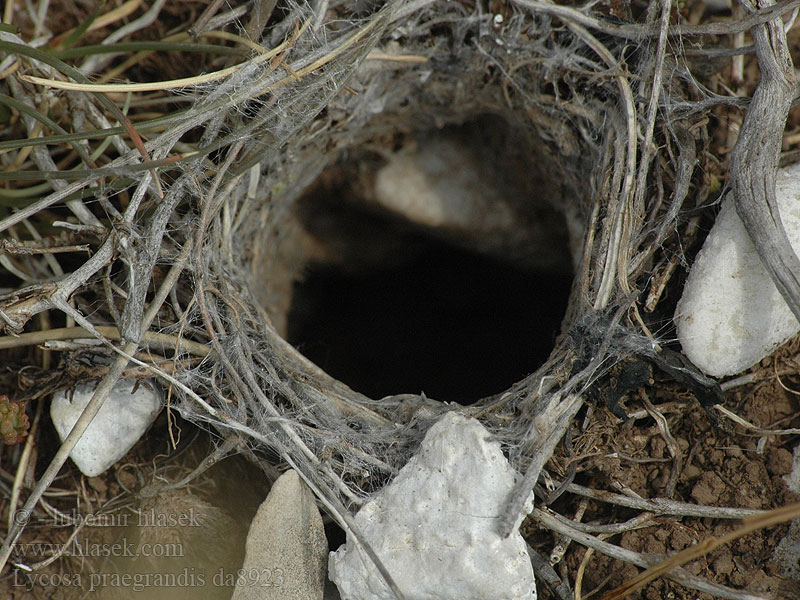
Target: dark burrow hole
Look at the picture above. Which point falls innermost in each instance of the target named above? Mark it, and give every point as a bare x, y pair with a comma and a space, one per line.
406, 308
456, 325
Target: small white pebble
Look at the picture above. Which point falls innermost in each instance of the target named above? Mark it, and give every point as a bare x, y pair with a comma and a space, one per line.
120, 423
731, 315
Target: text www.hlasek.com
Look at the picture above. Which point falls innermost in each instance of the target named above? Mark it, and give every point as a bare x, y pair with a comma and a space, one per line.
83, 547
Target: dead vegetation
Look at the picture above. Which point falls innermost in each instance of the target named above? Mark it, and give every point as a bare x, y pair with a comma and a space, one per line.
153, 154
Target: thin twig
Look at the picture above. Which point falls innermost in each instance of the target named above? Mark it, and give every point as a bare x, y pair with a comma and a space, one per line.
669, 565
652, 107
748, 425
164, 340
672, 445
663, 506
638, 32
642, 560
24, 463
545, 572
641, 521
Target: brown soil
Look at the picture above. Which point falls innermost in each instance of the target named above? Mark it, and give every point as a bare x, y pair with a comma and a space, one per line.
720, 466
134, 544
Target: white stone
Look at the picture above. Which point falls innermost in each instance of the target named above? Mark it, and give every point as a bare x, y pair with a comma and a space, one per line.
119, 424
793, 478
731, 315
435, 526
286, 537
442, 184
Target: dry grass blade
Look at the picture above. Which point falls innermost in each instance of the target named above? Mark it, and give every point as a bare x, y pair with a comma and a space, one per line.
678, 575
173, 84
35, 338
571, 92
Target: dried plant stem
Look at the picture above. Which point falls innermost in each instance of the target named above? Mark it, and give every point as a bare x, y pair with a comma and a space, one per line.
550, 429
754, 160
662, 506
545, 572
638, 522
616, 261
641, 560
665, 567
97, 62
637, 32
161, 85
35, 338
24, 463
652, 107
748, 425
672, 445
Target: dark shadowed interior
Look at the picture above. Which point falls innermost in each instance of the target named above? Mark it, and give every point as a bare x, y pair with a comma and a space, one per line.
455, 325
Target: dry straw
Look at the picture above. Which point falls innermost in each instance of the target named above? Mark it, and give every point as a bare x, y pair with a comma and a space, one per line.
193, 191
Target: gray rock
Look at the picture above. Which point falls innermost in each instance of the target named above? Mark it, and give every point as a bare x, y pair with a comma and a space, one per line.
445, 186
127, 412
287, 544
787, 553
792, 478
